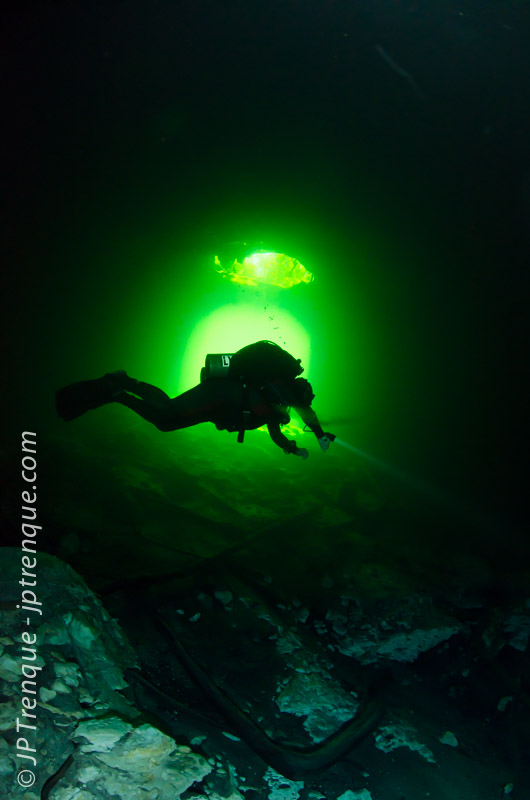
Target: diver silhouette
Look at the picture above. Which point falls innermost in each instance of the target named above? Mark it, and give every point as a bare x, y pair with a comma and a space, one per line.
256, 386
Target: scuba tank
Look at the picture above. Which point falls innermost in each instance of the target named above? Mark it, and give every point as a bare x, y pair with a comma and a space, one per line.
258, 364
216, 365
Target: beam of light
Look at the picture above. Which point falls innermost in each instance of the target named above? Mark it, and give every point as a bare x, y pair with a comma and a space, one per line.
405, 478
473, 514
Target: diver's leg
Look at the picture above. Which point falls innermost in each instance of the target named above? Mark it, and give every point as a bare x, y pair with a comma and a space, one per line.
203, 403
146, 391
76, 399
207, 402
157, 413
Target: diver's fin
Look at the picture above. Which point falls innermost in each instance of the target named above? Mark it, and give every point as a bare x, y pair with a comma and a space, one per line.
76, 399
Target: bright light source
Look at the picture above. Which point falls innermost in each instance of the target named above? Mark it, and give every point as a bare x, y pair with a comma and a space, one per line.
274, 269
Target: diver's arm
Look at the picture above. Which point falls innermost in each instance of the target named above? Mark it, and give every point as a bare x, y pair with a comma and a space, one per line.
310, 419
278, 437
283, 442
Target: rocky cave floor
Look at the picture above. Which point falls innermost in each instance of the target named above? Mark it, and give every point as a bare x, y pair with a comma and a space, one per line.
448, 674
450, 681
200, 671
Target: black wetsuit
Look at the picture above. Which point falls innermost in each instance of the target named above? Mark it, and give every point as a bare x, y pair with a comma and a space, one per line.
222, 401
219, 400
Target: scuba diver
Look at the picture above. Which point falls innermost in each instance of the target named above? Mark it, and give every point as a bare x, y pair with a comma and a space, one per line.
256, 386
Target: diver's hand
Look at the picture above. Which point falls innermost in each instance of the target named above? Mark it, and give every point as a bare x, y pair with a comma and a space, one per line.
292, 449
302, 452
325, 441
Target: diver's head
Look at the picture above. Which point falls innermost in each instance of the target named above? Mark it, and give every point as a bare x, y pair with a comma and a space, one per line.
298, 392
295, 392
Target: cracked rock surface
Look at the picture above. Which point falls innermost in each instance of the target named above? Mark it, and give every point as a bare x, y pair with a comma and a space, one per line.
112, 694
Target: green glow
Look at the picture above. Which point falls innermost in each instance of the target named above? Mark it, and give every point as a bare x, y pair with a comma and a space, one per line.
233, 326
337, 331
294, 428
273, 269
